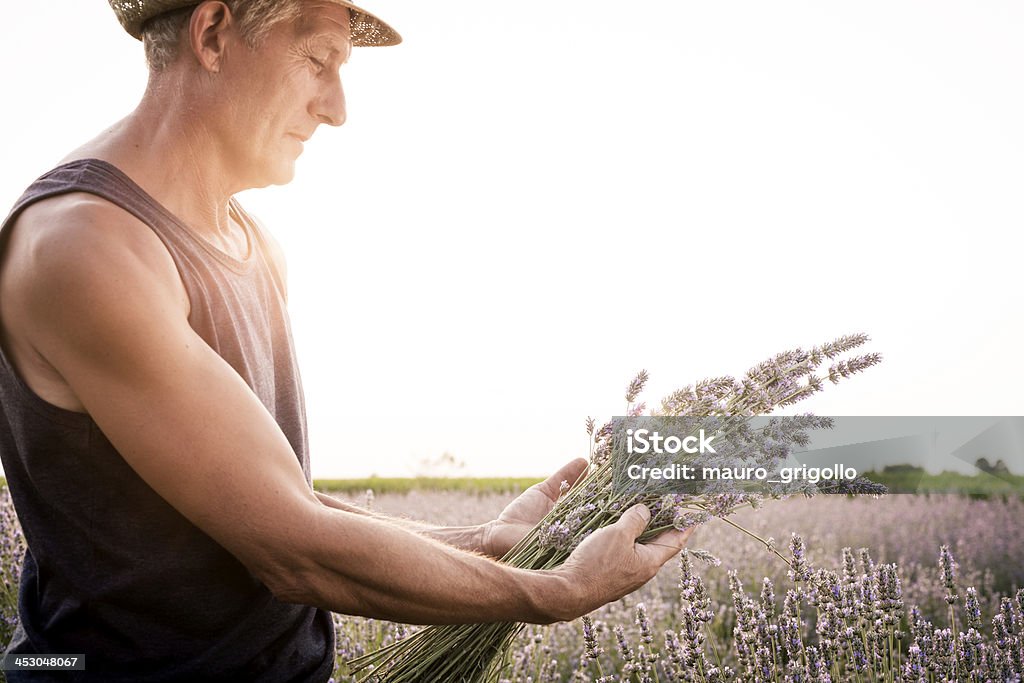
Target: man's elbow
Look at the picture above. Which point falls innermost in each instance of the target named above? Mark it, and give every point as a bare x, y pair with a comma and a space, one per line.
284, 574
293, 572
287, 586
284, 561
303, 586
286, 556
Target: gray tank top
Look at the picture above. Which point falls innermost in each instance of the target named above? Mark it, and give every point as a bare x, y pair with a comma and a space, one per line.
114, 572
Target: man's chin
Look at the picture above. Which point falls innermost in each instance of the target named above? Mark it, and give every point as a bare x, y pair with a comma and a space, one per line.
286, 176
280, 174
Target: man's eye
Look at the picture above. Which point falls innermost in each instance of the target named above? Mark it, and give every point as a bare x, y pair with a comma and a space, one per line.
317, 63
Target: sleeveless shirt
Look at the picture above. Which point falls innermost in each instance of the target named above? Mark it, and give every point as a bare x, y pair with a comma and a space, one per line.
113, 571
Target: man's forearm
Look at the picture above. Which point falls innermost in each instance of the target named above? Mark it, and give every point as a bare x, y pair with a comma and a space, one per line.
357, 564
469, 538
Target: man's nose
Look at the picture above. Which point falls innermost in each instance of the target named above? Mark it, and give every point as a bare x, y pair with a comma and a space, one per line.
329, 105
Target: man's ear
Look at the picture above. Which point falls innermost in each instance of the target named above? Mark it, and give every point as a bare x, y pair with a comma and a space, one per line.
208, 31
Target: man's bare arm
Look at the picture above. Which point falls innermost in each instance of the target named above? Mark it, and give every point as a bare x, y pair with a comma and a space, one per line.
113, 326
498, 536
469, 538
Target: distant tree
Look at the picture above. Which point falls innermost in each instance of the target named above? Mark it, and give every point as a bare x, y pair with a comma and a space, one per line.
984, 465
903, 468
444, 465
1000, 468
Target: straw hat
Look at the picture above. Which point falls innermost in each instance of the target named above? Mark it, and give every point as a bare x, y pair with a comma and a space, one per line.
367, 30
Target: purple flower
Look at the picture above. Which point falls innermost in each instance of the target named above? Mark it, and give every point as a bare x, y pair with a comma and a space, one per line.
799, 570
768, 597
973, 609
948, 568
593, 650
644, 623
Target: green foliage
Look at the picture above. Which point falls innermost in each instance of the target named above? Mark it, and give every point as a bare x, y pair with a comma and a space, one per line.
908, 479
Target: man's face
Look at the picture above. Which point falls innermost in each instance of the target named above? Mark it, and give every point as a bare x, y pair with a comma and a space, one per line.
277, 94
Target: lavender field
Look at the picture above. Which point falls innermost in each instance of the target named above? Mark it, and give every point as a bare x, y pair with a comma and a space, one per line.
851, 615
690, 632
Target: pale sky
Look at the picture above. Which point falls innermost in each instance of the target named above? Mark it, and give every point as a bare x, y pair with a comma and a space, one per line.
530, 202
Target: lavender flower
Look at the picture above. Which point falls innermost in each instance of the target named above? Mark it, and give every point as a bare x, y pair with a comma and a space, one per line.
593, 650
704, 556
685, 520
736, 590
768, 597
943, 653
914, 669
790, 632
890, 593
644, 623
866, 563
800, 570
969, 650
1000, 632
645, 664
849, 367
629, 663
817, 666
973, 609
849, 566
948, 568
636, 386
557, 535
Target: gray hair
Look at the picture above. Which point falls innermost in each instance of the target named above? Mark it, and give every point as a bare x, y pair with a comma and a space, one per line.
161, 35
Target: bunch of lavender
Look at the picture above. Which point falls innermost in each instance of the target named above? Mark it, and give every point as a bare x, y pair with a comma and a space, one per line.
724, 405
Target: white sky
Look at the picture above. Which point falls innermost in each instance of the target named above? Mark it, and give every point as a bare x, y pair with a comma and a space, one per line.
532, 201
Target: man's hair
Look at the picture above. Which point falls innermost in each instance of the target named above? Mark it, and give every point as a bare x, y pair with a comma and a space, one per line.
161, 35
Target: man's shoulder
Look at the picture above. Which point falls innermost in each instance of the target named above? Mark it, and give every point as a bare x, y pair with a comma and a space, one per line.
80, 227
71, 267
77, 239
76, 219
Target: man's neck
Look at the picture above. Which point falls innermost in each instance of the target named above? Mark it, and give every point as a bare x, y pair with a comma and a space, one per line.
168, 151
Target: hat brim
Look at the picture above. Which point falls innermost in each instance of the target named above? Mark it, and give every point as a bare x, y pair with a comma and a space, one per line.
367, 29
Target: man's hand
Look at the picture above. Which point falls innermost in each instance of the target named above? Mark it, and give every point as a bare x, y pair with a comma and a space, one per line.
523, 513
609, 564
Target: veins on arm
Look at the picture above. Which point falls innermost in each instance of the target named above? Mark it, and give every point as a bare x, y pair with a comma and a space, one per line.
469, 538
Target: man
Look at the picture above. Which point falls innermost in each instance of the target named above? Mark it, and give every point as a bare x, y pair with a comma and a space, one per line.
153, 430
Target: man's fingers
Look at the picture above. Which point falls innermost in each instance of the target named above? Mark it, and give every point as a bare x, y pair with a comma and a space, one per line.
634, 520
570, 472
573, 470
665, 545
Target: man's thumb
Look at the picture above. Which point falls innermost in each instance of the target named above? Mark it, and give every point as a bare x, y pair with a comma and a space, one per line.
635, 519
